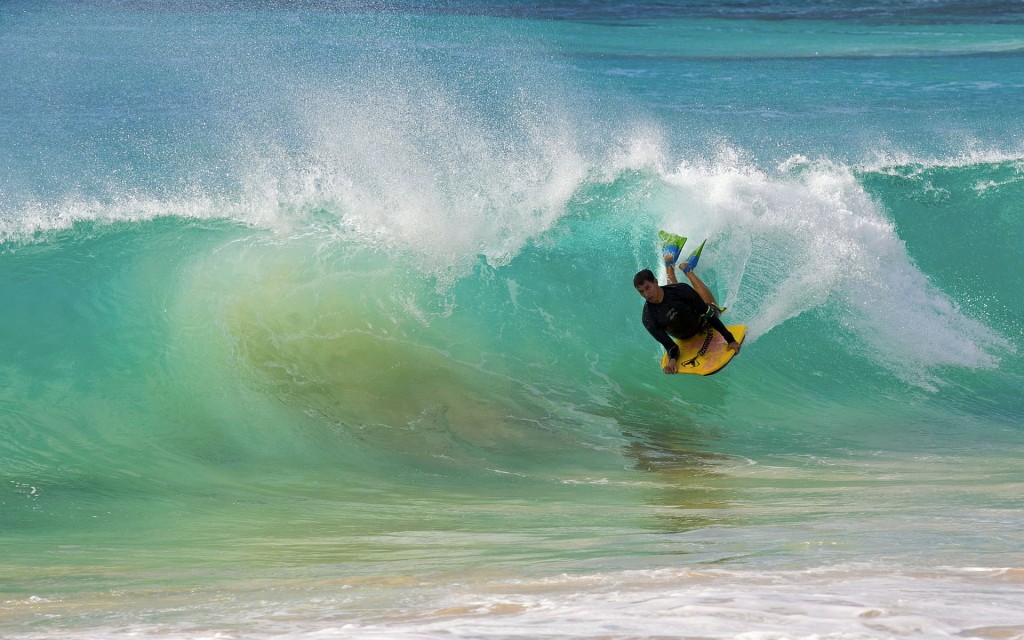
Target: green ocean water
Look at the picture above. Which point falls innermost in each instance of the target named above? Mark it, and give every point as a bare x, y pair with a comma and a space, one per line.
319, 323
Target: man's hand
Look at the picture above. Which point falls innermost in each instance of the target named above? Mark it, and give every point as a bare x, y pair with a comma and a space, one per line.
670, 367
733, 346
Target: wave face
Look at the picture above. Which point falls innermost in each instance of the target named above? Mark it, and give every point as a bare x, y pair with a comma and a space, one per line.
328, 341
338, 300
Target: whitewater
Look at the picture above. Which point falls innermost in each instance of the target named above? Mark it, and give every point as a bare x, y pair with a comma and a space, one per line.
317, 320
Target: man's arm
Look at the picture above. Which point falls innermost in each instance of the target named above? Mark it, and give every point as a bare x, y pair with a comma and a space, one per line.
716, 322
671, 348
659, 334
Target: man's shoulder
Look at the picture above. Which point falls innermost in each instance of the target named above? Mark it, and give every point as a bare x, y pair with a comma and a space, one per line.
681, 293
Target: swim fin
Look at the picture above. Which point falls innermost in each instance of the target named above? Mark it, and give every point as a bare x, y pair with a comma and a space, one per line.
691, 262
671, 246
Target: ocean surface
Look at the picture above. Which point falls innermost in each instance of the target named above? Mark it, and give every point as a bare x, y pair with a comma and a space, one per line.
317, 319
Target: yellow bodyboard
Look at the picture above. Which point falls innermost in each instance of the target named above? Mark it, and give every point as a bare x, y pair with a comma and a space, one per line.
706, 352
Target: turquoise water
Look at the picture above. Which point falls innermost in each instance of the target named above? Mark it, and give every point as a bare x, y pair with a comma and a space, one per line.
318, 322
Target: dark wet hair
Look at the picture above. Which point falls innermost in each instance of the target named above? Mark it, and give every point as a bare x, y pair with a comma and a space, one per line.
643, 276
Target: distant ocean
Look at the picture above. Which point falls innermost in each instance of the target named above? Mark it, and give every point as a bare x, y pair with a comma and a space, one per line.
317, 319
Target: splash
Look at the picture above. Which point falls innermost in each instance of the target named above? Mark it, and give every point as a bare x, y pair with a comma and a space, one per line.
808, 237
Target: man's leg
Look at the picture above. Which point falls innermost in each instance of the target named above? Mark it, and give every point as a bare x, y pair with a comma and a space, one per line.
702, 289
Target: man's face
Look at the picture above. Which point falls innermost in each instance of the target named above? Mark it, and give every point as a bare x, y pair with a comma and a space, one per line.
649, 290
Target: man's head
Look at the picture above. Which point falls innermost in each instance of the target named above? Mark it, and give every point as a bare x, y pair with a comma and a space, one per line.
647, 286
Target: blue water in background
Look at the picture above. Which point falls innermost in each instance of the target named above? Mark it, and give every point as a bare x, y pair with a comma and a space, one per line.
317, 319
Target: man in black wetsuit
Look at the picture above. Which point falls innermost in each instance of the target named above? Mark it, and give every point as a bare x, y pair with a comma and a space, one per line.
678, 310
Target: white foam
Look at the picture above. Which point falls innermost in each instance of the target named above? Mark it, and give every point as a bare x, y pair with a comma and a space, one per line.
833, 602
972, 153
808, 237
36, 217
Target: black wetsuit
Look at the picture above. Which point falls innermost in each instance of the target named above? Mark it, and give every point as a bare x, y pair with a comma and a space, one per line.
681, 314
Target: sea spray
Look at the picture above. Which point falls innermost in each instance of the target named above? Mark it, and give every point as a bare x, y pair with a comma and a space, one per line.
810, 237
